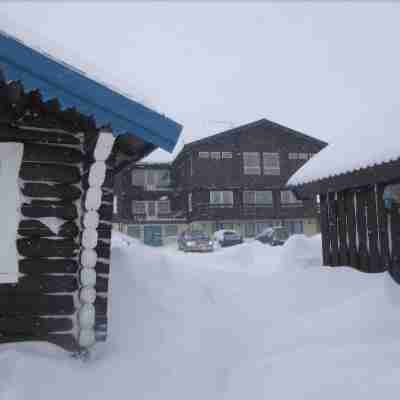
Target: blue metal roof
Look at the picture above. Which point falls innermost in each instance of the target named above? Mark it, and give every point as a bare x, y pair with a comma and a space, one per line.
73, 88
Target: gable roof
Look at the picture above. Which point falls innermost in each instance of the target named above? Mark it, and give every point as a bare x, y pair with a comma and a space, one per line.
222, 136
73, 88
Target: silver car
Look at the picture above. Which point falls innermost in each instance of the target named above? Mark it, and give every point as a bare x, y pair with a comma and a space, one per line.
197, 241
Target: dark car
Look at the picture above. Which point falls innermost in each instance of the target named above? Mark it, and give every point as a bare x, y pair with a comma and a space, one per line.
195, 241
227, 237
275, 236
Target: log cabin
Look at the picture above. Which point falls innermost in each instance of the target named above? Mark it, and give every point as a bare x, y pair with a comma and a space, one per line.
357, 180
63, 137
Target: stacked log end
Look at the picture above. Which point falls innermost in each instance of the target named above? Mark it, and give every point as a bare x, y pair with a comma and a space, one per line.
95, 242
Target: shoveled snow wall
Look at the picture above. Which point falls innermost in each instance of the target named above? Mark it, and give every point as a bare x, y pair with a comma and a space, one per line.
63, 240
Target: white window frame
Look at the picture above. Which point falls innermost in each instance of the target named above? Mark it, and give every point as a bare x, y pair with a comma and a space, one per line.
166, 234
271, 169
204, 154
256, 202
141, 202
226, 154
215, 155
249, 166
222, 198
156, 179
289, 199
165, 202
190, 205
303, 156
293, 156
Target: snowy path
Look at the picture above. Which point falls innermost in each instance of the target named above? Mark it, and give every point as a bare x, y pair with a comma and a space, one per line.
246, 322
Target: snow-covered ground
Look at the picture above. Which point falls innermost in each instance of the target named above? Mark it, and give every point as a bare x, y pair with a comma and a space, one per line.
247, 322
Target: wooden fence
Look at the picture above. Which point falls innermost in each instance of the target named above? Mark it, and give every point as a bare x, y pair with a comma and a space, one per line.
358, 231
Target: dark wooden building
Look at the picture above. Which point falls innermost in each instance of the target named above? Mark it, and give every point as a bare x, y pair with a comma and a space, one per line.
63, 136
233, 180
358, 187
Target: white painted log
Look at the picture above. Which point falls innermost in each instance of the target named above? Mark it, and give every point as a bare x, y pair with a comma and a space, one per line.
97, 173
93, 198
105, 142
87, 316
88, 277
87, 338
91, 219
10, 202
88, 258
87, 295
89, 238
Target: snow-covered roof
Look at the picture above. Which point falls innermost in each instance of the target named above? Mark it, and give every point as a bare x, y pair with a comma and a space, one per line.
349, 154
22, 61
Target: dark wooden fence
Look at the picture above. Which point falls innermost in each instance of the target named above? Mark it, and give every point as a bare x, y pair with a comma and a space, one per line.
358, 231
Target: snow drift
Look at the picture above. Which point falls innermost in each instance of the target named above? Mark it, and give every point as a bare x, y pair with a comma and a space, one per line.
251, 321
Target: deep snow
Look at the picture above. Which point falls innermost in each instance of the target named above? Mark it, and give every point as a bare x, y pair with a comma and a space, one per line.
249, 321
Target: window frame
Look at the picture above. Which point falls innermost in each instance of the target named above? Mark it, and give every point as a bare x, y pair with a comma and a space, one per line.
251, 169
271, 170
256, 203
221, 195
291, 201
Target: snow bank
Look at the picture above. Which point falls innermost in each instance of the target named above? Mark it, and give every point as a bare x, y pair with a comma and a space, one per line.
251, 321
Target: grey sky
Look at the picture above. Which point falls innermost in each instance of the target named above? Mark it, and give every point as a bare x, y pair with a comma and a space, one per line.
325, 69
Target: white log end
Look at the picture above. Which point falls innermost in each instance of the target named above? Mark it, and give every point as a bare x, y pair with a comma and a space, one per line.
87, 295
87, 338
89, 238
93, 198
88, 258
104, 145
97, 173
87, 316
88, 277
91, 219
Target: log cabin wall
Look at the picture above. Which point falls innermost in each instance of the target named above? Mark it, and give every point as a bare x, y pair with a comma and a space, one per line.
42, 305
358, 231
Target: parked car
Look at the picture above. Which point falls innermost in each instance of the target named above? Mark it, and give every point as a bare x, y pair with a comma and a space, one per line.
195, 240
274, 236
227, 237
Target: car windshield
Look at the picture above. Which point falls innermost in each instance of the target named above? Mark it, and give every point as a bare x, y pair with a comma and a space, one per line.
281, 234
197, 235
232, 235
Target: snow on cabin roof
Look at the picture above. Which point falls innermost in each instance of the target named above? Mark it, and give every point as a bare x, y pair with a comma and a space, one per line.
348, 154
54, 78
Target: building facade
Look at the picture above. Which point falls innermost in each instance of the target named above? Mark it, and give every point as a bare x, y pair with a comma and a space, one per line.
232, 180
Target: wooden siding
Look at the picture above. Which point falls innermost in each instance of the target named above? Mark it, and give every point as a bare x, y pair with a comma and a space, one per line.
355, 229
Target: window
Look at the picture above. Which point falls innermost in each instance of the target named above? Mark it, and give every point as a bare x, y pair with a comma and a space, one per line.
139, 207
293, 226
271, 164
134, 231
163, 207
115, 205
151, 178
203, 154
226, 154
138, 177
215, 155
250, 229
293, 156
303, 156
257, 197
288, 198
251, 163
151, 208
190, 202
170, 230
224, 197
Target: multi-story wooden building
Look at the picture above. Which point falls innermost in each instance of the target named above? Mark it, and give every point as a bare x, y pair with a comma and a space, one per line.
235, 180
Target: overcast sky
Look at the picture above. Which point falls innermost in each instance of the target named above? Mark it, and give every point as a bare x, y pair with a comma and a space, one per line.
327, 69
